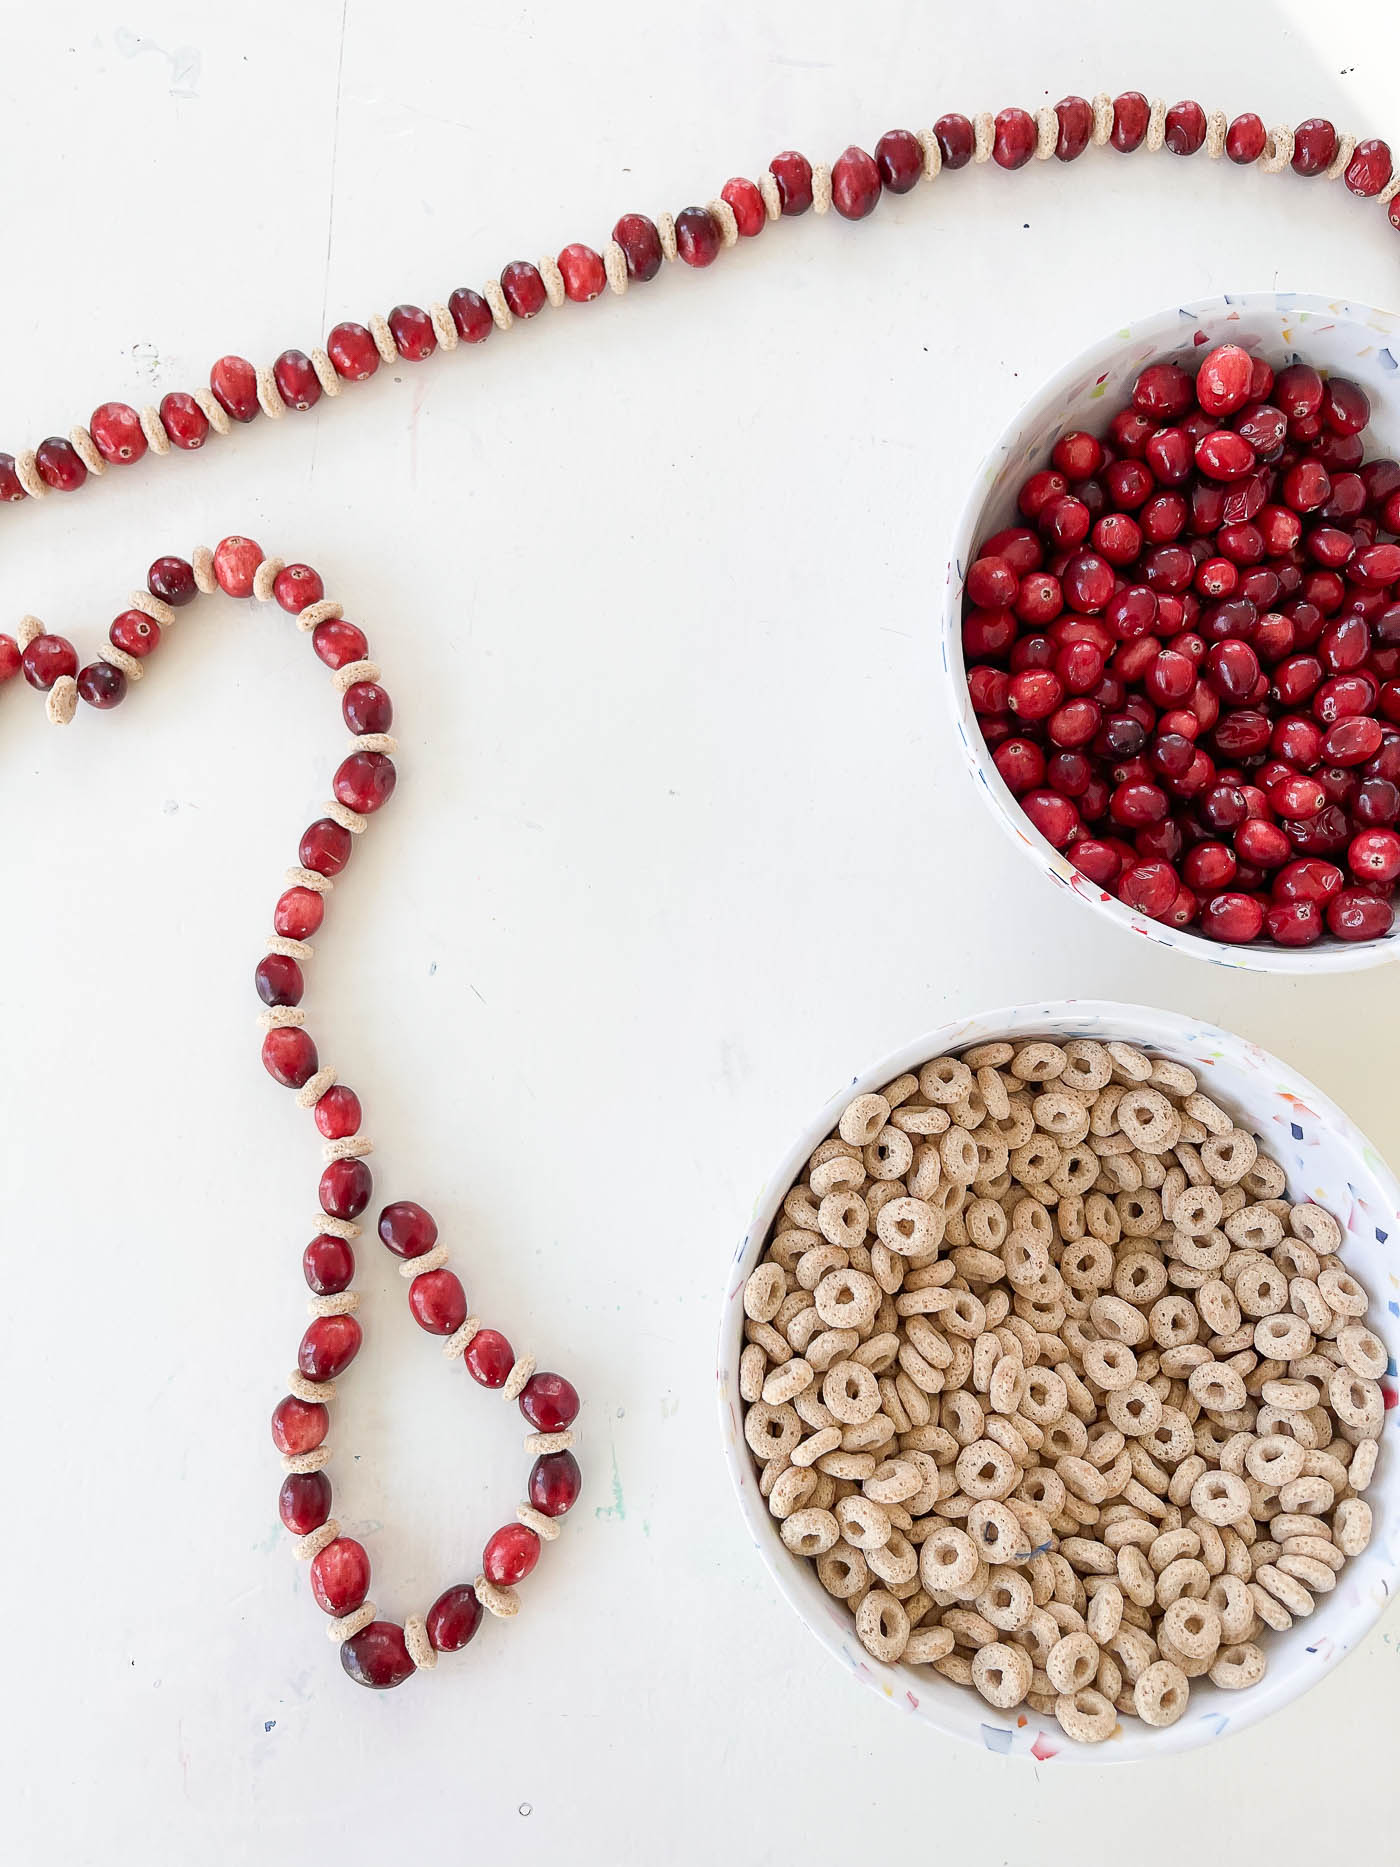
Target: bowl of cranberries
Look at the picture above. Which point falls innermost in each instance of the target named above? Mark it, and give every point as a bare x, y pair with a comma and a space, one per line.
1173, 631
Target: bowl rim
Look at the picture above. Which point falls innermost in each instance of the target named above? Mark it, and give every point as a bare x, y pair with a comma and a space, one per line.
1329, 955
1156, 1028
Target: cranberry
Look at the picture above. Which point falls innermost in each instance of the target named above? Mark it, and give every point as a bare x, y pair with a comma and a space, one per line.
296, 587
1353, 740
1035, 694
1231, 917
1232, 668
1245, 138
489, 1358
453, 1618
1209, 867
304, 1502
340, 1576
299, 1425
337, 1114
1223, 379
1131, 111
1087, 582
1097, 860
1169, 453
1377, 802
1224, 455
1077, 455
378, 1656
555, 1483
549, 1402
991, 583
1374, 856
1064, 522
1076, 121
328, 1264
298, 913
365, 781
1054, 816
367, 708
47, 659
1164, 391
855, 184
750, 215
1314, 145
325, 847
956, 140
289, 1057
641, 243
339, 643
523, 289
172, 580
117, 433
345, 1188
582, 271
236, 559
234, 382
1297, 796
328, 1346
438, 1302
899, 157
1149, 887
1021, 765
353, 352
297, 382
1185, 129
697, 237
1294, 923
279, 980
1354, 914
1263, 845
407, 1229
1014, 139
1369, 169
60, 465
1020, 548
793, 174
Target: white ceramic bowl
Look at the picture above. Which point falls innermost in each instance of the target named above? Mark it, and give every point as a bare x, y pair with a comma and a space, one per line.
1326, 1159
1350, 340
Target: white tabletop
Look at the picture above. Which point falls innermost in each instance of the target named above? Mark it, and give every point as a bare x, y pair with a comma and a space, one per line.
680, 839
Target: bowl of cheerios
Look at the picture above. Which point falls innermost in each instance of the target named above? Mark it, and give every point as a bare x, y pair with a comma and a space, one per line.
1056, 1375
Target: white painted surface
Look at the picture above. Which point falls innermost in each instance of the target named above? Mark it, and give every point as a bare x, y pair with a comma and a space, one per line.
680, 840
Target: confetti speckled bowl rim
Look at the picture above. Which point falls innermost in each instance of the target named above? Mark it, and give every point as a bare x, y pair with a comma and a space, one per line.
1286, 1111
1278, 321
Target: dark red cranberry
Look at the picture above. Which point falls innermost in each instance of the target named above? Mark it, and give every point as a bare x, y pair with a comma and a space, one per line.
583, 273
1076, 120
1245, 138
345, 1188
453, 1618
1054, 816
1131, 111
353, 352
59, 464
328, 1264
549, 1402
299, 1425
304, 1502
697, 237
279, 980
438, 1302
1231, 917
641, 242
793, 174
956, 140
325, 847
991, 583
471, 315
1294, 923
328, 1346
1369, 169
289, 1057
234, 382
1185, 129
337, 1114
412, 331
407, 1229
367, 708
489, 1358
1014, 138
365, 781
523, 288
899, 157
340, 1576
555, 1483
101, 685
47, 659
183, 420
1353, 914
297, 382
855, 184
378, 1656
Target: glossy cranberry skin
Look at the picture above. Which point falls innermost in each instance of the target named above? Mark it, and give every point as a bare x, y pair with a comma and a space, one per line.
1232, 917
47, 659
697, 237
1294, 923
299, 1425
510, 1555
304, 1502
364, 782
641, 246
289, 1057
1355, 914
453, 1618
377, 1656
412, 331
297, 382
956, 140
279, 980
1131, 111
471, 315
489, 1358
338, 1113
855, 184
746, 202
325, 847
1262, 845
1245, 138
172, 580
11, 487
793, 174
1224, 455
991, 583
1374, 856
234, 382
1087, 582
438, 1302
1149, 887
1034, 694
1376, 803
367, 708
1369, 169
1014, 138
1185, 129
1054, 816
339, 643
328, 1346
117, 433
328, 1264
236, 560
1297, 796
1076, 120
1232, 668
353, 352
555, 1483
101, 685
298, 913
407, 1229
183, 420
60, 465
1021, 765
345, 1188
988, 633
549, 1402
296, 587
1352, 741
340, 1576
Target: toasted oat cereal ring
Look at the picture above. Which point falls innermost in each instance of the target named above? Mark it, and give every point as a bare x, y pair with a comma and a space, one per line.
1221, 1498
1342, 1293
1269, 1609
1007, 1385
791, 1490
1254, 1228
753, 1366
1238, 1666
862, 1119
775, 1346
882, 1626
896, 1562
1045, 1398
843, 1571
1035, 1160
957, 1152
1227, 1158
788, 1381
1087, 1264
1351, 1525
1087, 1067
987, 1226
851, 1466
1285, 1589
927, 1644
947, 1559
1261, 1289
878, 1352
955, 1666
890, 1155
843, 1218
1135, 1410
1209, 1114
1139, 1213
1173, 1320
1363, 1465
996, 1533
847, 1299
1173, 1078
1217, 1306
773, 1432
1194, 1627
839, 1171
1357, 1402
810, 1532
1315, 1542
1362, 1351
1282, 1337
921, 1118
1319, 1578
1073, 1662
831, 1345
1130, 1065
1160, 1693
986, 1470
1038, 1062
909, 1227
1317, 1228
1274, 1459
863, 1523
1308, 1496
1196, 1210
1229, 1596
992, 1089
1086, 1715
1002, 1674
944, 1081
1265, 1179
871, 1435
1146, 1117
893, 1481
851, 1392
1217, 1387
1062, 1115
1135, 1576
1076, 1173
1290, 1396
1008, 1601
1117, 1321
764, 1292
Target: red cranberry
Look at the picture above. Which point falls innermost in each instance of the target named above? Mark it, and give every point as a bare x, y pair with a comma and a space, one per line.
697, 237
1353, 740
1021, 765
549, 1402
1262, 845
337, 1114
583, 273
297, 382
855, 184
489, 1358
60, 465
1232, 668
1231, 917
367, 708
1245, 138
1314, 145
1014, 138
407, 1229
345, 1188
289, 1057
117, 433
1377, 802
438, 1302
234, 382
1297, 796
1185, 129
1209, 867
1374, 856
11, 487
183, 420
101, 685
279, 980
746, 203
47, 659
1369, 169
453, 1618
339, 643
956, 140
793, 174
555, 1483
365, 781
1149, 887
1224, 455
1164, 391
523, 288
412, 331
510, 1555
641, 246
1054, 816
328, 1264
1076, 121
352, 350
1130, 115
299, 1425
325, 847
236, 559
340, 1576
296, 587
471, 315
378, 1656
304, 1502
1354, 914
298, 913
1294, 923
328, 1347
991, 583
1077, 455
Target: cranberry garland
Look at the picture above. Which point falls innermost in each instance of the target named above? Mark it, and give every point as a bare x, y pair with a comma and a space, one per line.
238, 391
374, 1652
1187, 662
